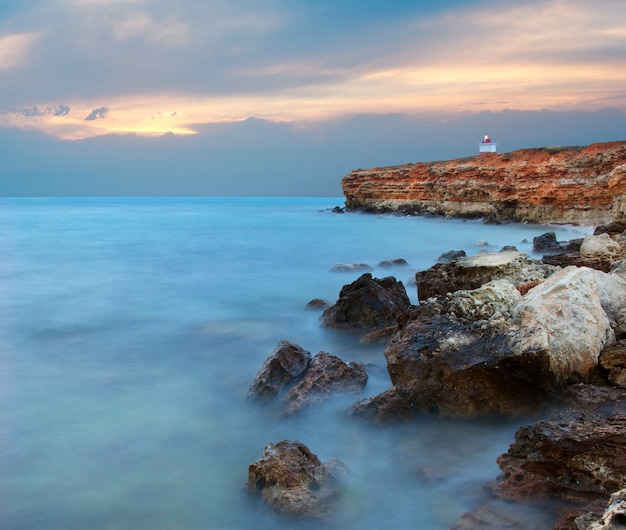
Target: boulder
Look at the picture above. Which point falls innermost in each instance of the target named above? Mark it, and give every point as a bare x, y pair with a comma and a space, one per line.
293, 481
472, 272
577, 456
568, 318
367, 304
399, 262
451, 255
492, 351
614, 228
326, 374
547, 244
601, 244
284, 365
318, 303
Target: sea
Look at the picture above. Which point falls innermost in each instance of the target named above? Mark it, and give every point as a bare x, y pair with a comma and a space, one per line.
132, 328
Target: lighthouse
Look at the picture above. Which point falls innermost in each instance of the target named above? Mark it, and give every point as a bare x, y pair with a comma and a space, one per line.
487, 146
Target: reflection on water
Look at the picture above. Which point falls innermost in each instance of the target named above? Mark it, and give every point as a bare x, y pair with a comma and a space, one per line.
131, 330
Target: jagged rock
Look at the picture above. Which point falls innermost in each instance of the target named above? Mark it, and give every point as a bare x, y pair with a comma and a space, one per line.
325, 374
350, 267
584, 185
399, 262
577, 456
367, 304
284, 365
490, 351
547, 244
613, 359
614, 517
451, 255
293, 481
619, 268
471, 273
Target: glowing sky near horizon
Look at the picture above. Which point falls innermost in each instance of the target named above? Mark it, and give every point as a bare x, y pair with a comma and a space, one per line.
82, 68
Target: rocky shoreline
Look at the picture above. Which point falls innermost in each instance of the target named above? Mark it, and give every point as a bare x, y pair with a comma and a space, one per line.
494, 335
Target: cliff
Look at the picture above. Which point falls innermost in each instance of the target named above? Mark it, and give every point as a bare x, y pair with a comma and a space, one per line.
578, 185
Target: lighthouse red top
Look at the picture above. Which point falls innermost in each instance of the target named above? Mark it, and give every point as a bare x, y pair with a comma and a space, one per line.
486, 139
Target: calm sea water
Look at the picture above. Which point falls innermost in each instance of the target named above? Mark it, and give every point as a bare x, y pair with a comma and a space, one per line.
131, 329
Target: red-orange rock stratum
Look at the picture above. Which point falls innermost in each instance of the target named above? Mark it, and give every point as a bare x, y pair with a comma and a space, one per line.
582, 185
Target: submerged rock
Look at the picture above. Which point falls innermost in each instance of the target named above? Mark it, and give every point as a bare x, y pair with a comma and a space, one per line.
283, 366
350, 267
293, 481
367, 304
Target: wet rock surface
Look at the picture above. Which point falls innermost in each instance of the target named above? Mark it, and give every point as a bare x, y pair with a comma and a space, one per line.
303, 381
293, 481
577, 456
283, 366
326, 374
367, 304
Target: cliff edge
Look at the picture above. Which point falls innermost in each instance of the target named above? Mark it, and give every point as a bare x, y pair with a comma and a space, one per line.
574, 185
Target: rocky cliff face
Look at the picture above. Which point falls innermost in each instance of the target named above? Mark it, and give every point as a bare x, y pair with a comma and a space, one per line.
584, 185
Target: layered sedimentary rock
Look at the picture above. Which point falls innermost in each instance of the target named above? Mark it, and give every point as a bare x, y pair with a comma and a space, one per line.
582, 185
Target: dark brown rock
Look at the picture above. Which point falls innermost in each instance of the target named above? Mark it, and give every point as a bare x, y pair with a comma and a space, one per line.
293, 481
607, 400
283, 366
392, 406
614, 228
326, 374
451, 255
318, 303
599, 262
613, 359
367, 304
577, 456
399, 262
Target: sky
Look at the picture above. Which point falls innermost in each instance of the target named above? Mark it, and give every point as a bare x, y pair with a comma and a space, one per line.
284, 97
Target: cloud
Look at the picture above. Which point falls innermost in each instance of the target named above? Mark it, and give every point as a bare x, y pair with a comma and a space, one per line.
62, 110
97, 114
15, 48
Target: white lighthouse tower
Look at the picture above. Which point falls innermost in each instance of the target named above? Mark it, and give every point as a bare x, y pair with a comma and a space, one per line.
487, 146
